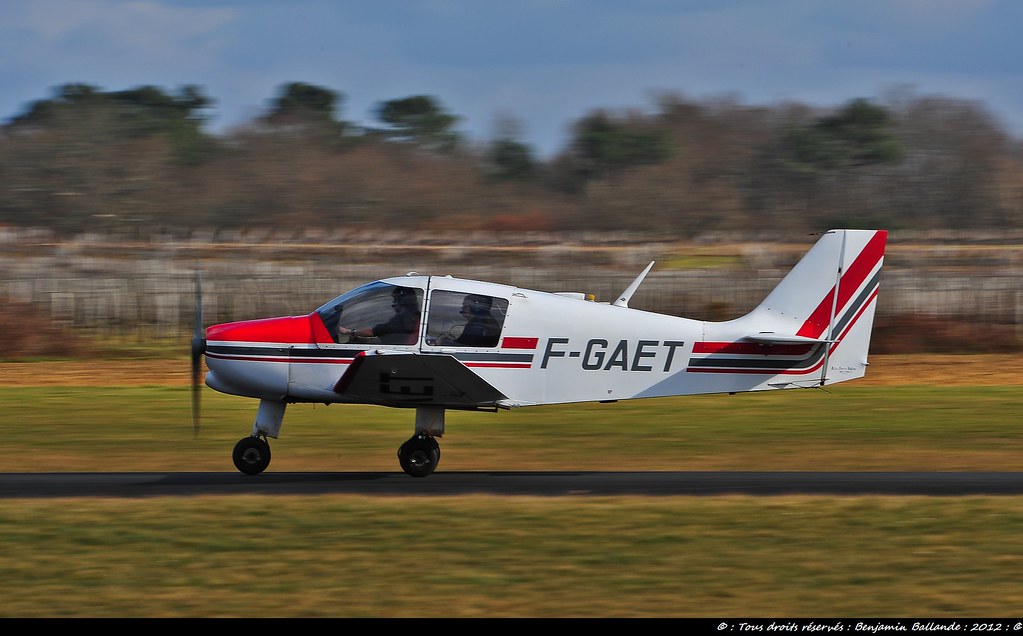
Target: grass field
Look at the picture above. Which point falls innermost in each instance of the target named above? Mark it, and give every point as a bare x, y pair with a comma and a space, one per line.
850, 428
516, 557
521, 556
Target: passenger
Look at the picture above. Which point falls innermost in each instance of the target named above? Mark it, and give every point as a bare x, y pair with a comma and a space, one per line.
482, 329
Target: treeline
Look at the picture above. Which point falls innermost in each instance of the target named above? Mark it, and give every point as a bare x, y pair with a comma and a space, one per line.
140, 161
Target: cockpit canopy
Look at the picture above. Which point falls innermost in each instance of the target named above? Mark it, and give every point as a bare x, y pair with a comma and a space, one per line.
393, 313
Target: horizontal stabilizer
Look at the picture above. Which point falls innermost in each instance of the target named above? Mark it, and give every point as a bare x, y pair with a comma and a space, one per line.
797, 384
771, 338
413, 379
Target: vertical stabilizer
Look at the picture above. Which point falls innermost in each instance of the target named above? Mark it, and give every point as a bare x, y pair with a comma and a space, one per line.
829, 297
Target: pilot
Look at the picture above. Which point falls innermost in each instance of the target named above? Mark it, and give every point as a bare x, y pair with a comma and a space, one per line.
402, 328
481, 329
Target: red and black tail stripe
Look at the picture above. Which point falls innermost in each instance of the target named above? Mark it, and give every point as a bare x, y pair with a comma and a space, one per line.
764, 361
742, 357
852, 279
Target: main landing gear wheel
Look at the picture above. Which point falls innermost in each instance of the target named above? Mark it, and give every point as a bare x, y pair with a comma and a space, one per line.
419, 455
251, 455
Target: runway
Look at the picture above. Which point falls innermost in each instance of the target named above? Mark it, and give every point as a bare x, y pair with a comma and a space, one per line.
553, 484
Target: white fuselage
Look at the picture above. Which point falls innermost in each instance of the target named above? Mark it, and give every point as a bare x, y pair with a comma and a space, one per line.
543, 348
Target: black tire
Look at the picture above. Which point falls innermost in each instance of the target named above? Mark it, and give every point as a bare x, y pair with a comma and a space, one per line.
419, 456
436, 447
251, 455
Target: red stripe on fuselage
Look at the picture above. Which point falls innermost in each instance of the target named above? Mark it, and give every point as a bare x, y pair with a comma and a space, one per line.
282, 360
752, 348
517, 342
855, 319
500, 365
851, 280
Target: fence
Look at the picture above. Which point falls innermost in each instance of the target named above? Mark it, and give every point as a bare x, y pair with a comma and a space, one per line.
103, 290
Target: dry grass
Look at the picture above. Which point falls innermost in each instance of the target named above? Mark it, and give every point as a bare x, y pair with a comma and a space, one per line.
349, 556
485, 557
26, 332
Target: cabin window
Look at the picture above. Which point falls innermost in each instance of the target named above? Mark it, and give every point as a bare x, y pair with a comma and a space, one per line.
458, 319
378, 313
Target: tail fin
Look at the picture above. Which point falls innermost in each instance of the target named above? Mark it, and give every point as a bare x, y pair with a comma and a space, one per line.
828, 298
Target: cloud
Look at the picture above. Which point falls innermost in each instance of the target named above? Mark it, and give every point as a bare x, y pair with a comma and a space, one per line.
545, 62
108, 41
145, 27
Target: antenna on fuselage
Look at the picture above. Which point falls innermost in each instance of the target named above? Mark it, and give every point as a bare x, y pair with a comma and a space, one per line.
626, 296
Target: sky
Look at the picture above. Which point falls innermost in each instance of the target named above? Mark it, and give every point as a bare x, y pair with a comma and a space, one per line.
541, 64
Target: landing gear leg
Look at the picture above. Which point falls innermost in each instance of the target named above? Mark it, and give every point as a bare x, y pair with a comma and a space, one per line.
252, 454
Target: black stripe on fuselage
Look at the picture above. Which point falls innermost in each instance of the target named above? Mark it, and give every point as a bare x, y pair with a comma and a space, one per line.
312, 355
278, 351
759, 363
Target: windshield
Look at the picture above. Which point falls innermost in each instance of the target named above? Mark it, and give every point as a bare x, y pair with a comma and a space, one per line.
375, 313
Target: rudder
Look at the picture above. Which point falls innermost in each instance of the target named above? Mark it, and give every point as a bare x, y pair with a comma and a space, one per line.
830, 297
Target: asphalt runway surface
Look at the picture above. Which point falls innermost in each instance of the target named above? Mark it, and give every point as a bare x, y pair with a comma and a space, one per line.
554, 484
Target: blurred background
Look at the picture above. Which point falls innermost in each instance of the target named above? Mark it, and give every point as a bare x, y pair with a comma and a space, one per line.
112, 199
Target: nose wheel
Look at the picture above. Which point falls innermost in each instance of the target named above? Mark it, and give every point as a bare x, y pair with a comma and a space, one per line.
251, 455
419, 455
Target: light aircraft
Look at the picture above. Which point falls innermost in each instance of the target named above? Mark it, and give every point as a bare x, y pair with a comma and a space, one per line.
433, 343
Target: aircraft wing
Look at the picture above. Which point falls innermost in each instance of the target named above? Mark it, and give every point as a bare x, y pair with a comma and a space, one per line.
415, 379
